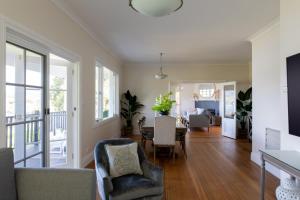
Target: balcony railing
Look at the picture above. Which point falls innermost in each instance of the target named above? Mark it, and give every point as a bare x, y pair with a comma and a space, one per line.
57, 120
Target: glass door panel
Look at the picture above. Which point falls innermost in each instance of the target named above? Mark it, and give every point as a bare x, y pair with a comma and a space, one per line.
25, 97
34, 69
60, 135
14, 104
34, 104
14, 64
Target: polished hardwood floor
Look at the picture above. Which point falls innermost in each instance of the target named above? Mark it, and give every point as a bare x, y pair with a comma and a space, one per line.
216, 167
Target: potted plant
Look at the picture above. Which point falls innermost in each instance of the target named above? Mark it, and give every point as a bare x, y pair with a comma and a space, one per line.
129, 108
244, 108
163, 104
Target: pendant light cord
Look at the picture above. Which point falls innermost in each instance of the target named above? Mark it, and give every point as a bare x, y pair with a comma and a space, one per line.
161, 54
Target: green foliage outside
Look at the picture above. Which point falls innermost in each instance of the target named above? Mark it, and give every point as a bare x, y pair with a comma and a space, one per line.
57, 96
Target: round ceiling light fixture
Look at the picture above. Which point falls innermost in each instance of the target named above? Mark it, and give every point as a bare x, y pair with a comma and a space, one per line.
155, 8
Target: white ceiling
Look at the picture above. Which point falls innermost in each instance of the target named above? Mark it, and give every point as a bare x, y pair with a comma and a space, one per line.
206, 31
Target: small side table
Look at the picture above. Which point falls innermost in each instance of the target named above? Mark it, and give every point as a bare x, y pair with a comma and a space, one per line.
216, 121
288, 161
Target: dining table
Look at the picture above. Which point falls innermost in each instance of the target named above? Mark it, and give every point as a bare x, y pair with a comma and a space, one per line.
147, 132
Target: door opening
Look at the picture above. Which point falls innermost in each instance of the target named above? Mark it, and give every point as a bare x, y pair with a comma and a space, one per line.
62, 107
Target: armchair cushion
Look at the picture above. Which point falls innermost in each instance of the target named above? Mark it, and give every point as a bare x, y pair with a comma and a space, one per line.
134, 187
123, 159
153, 172
7, 177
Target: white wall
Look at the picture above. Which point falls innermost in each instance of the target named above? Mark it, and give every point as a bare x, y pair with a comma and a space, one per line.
266, 87
45, 19
187, 103
270, 51
139, 78
290, 45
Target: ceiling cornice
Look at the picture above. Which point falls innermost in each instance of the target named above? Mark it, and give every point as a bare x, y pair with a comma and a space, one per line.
265, 29
70, 13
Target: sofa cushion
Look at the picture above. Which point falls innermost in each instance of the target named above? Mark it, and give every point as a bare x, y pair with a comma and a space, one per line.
134, 187
7, 175
123, 159
200, 111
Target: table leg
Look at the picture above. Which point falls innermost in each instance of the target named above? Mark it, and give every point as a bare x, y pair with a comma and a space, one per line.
262, 178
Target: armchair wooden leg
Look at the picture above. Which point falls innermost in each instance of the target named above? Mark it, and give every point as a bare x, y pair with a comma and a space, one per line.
143, 142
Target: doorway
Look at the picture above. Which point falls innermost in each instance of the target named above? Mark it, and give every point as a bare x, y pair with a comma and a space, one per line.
61, 112
228, 104
41, 112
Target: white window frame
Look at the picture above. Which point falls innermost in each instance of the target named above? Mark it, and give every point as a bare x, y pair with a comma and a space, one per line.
99, 119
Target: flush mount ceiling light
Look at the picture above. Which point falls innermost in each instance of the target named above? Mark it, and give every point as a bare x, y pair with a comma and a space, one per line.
155, 8
160, 74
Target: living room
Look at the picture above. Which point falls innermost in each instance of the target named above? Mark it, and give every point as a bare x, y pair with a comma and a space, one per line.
66, 67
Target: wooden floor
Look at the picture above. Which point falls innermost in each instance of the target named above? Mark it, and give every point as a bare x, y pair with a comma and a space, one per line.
216, 168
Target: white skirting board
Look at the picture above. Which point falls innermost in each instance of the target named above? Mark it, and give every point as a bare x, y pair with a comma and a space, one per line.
87, 159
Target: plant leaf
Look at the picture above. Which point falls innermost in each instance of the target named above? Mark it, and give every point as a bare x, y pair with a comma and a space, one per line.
241, 96
248, 94
249, 107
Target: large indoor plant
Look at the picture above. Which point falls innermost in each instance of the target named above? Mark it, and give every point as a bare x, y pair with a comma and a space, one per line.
130, 107
244, 107
163, 104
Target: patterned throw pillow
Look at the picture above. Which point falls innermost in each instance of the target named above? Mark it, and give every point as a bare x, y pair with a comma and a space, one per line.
123, 159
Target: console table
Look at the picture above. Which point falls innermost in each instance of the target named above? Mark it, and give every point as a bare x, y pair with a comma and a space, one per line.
288, 161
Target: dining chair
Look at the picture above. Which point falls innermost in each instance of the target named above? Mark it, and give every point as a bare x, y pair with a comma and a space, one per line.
164, 133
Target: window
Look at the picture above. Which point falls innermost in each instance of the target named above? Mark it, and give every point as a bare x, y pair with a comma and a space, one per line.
106, 84
207, 90
206, 93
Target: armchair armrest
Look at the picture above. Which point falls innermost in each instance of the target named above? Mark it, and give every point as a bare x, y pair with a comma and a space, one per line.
104, 181
59, 184
153, 172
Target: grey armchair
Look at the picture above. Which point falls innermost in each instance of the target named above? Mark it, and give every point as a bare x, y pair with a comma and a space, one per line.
46, 184
148, 186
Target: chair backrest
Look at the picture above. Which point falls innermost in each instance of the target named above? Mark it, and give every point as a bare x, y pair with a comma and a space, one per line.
141, 123
164, 130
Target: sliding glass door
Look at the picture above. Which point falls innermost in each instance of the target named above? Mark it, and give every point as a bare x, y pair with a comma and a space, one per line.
25, 97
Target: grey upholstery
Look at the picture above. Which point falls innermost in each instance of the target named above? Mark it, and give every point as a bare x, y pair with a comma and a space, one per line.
50, 184
199, 121
148, 186
7, 176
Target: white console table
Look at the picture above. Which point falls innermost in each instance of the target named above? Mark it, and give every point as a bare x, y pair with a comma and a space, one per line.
288, 161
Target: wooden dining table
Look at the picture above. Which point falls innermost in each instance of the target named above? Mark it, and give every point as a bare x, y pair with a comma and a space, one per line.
147, 132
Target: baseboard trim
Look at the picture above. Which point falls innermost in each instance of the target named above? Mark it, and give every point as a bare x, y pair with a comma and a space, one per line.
86, 160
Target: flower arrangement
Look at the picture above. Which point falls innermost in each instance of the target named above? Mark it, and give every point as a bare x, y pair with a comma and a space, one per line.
163, 104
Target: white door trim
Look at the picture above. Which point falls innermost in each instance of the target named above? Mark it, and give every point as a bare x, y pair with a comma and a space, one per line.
2, 84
